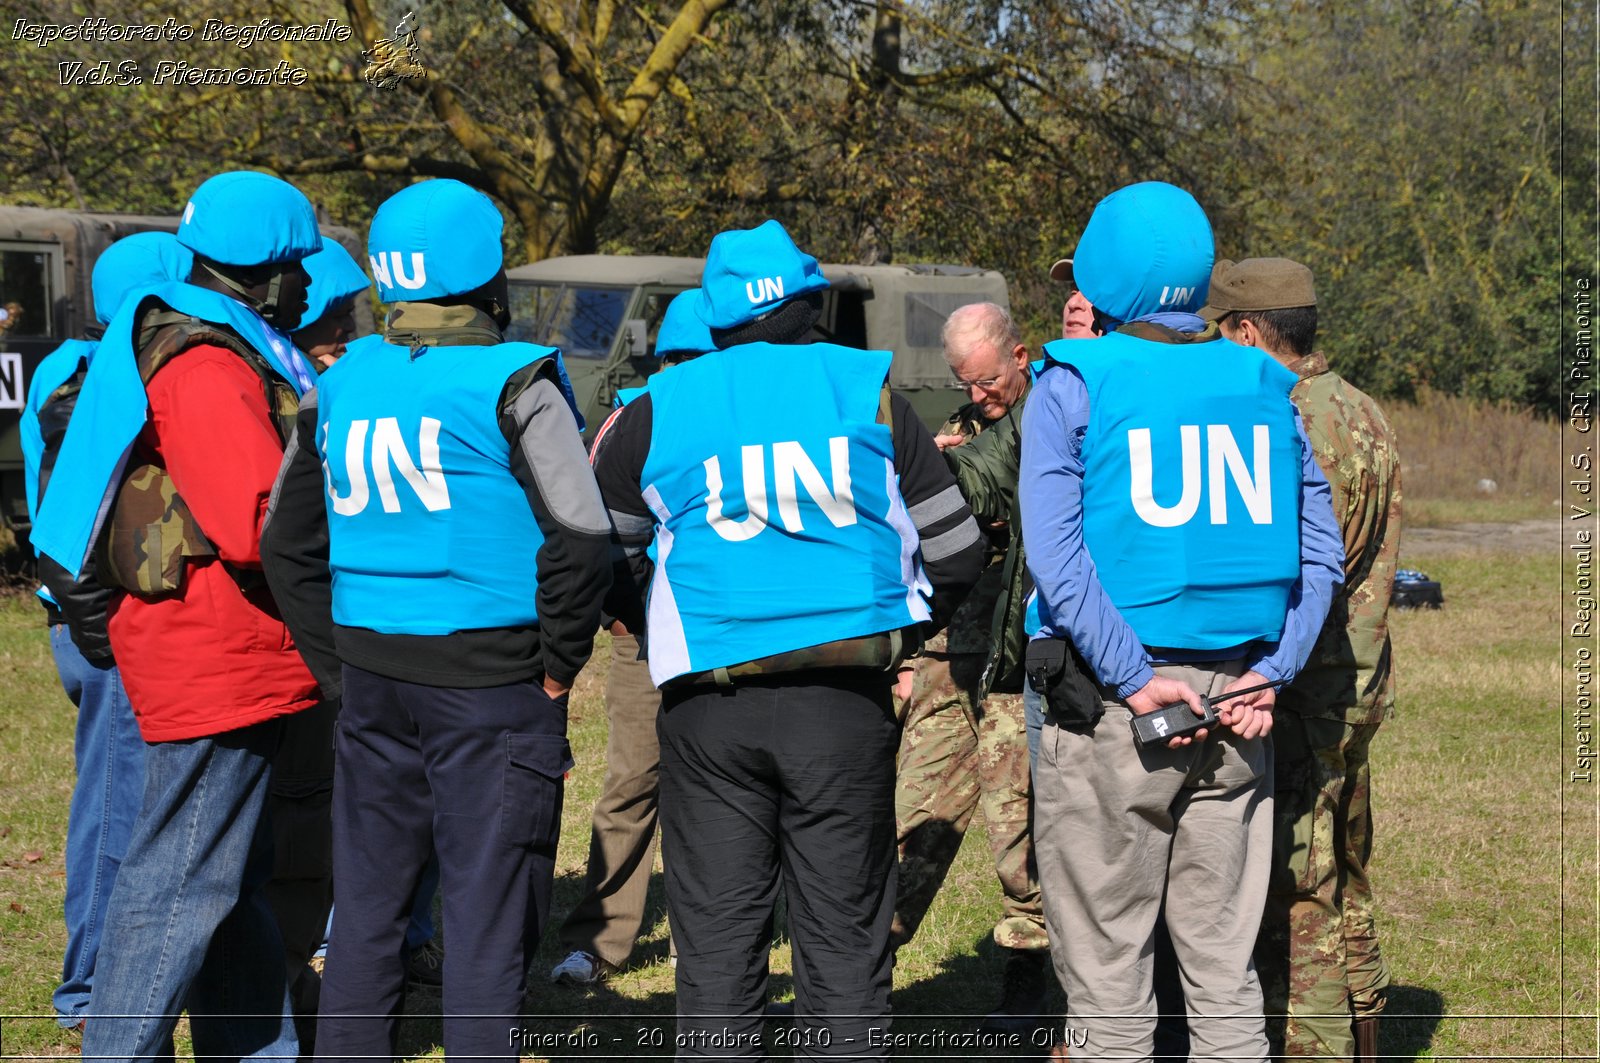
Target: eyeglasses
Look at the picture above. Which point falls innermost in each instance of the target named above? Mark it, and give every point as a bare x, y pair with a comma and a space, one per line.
982, 385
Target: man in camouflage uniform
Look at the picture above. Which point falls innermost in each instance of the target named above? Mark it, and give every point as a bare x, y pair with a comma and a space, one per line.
1318, 952
961, 750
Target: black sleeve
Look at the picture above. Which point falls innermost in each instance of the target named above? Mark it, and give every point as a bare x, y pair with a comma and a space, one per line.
620, 449
548, 460
294, 551
952, 548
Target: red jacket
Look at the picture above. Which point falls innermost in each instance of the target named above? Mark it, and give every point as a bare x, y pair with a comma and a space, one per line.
210, 658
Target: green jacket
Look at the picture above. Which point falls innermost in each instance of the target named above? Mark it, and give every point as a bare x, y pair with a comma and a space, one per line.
990, 621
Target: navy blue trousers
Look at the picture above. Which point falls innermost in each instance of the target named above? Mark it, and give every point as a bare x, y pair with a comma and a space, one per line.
475, 775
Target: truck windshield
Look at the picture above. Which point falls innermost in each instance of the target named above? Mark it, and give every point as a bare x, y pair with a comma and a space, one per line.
581, 321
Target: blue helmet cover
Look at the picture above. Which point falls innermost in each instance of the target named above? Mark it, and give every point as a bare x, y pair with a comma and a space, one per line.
433, 239
245, 218
681, 328
136, 261
1147, 248
750, 272
335, 276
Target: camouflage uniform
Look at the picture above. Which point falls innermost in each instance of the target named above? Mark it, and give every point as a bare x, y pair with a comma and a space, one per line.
961, 751
1318, 953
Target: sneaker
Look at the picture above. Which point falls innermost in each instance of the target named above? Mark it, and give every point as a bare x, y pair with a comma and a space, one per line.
1025, 987
425, 965
579, 968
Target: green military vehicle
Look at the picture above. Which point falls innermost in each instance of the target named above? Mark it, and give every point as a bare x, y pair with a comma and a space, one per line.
46, 257
603, 312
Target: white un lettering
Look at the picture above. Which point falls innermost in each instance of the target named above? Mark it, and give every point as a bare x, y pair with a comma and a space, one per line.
1223, 459
790, 463
764, 290
426, 479
383, 269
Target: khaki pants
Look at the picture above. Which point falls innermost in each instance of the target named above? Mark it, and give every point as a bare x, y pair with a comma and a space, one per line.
622, 842
1115, 831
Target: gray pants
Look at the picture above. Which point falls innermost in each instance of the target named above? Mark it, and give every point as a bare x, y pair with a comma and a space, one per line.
1115, 831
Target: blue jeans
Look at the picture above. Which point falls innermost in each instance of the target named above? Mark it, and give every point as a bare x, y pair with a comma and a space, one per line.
109, 757
189, 927
1033, 718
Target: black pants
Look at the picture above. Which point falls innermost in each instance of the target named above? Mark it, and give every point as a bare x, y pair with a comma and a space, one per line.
791, 776
477, 775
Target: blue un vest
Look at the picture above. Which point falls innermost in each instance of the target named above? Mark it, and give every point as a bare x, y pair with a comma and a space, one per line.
112, 409
57, 367
429, 532
779, 518
1191, 495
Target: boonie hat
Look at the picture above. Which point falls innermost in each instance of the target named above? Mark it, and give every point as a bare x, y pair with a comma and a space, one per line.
433, 239
752, 271
681, 328
335, 276
136, 261
1147, 248
245, 218
1258, 284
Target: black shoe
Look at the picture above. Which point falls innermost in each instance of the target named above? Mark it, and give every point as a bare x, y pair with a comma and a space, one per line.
425, 966
1022, 1001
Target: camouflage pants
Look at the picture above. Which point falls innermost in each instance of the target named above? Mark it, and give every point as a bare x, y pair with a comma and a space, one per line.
956, 757
1318, 952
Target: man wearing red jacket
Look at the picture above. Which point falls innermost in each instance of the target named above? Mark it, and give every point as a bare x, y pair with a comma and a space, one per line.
209, 666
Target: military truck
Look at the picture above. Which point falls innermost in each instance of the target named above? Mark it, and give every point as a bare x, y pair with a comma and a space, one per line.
46, 257
603, 312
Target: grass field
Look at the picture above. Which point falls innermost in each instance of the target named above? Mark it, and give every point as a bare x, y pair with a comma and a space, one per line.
1487, 898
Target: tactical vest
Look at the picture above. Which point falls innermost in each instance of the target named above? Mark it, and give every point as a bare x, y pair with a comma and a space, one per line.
780, 524
151, 531
429, 531
1191, 487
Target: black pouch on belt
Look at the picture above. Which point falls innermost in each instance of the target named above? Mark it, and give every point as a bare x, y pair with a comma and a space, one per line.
1061, 678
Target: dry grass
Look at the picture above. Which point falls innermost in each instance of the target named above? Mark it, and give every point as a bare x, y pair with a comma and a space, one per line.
1449, 444
1486, 898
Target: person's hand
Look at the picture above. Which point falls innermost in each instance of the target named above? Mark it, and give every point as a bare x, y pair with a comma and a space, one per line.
1249, 716
1161, 692
555, 690
946, 442
902, 682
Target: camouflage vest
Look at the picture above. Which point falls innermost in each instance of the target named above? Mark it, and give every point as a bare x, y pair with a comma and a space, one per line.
151, 530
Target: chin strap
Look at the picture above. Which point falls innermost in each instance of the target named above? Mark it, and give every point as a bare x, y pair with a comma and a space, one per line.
268, 307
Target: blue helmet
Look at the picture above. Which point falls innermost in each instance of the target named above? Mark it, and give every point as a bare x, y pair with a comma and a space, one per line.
1147, 248
750, 272
433, 239
681, 330
136, 261
245, 218
335, 277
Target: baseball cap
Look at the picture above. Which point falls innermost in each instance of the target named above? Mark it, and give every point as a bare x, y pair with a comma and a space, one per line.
749, 272
245, 218
433, 239
1062, 270
132, 262
1258, 284
1147, 248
